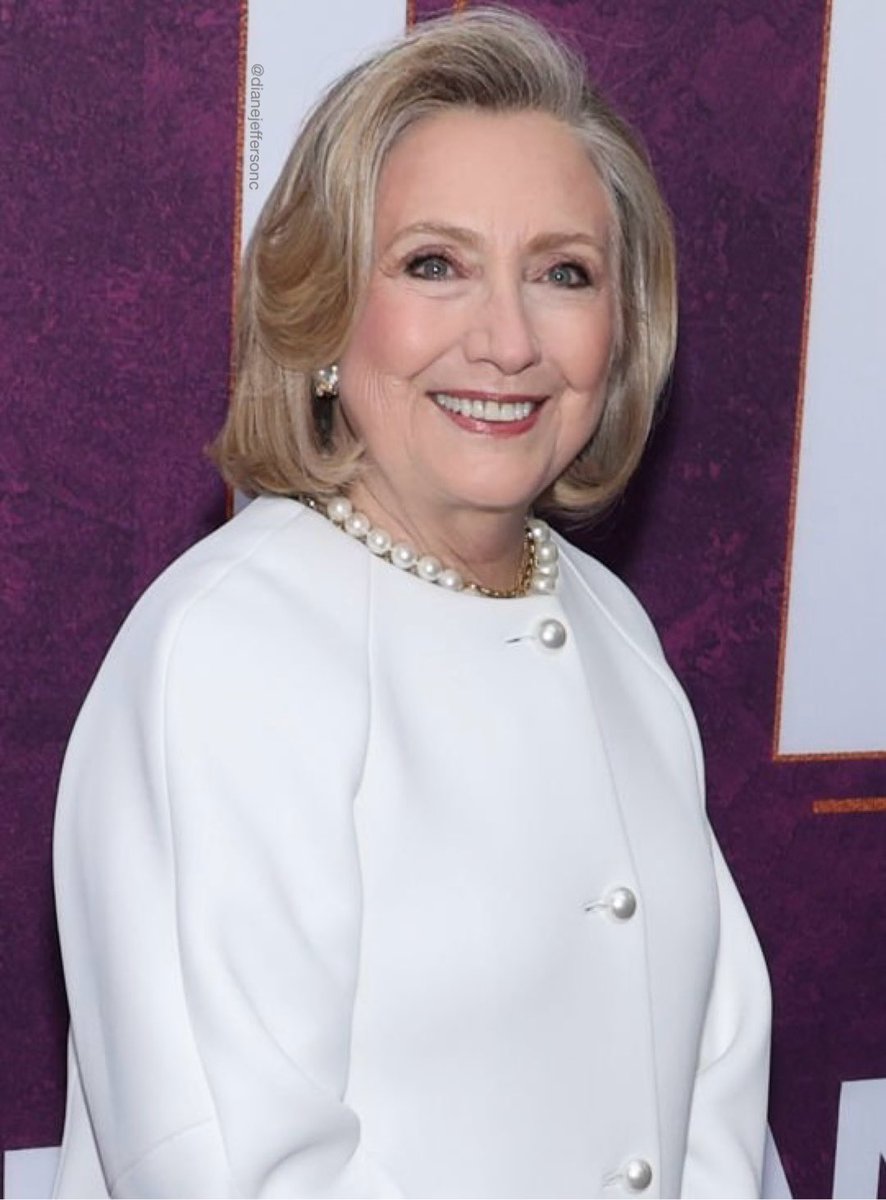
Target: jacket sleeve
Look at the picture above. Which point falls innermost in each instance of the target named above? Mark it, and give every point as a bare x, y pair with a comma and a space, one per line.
727, 1123
209, 909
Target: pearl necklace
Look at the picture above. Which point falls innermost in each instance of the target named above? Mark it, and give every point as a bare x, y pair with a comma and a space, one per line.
539, 568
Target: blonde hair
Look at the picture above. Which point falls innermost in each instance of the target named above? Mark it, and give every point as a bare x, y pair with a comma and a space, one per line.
310, 255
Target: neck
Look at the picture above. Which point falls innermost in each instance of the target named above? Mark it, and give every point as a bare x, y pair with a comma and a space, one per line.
485, 546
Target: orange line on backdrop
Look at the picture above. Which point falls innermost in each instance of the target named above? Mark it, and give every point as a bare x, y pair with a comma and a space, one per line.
835, 756
855, 805
238, 173
457, 7
801, 381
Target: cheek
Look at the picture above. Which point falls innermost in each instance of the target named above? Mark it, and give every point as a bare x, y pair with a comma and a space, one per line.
592, 379
377, 366
397, 335
580, 344
592, 356
373, 342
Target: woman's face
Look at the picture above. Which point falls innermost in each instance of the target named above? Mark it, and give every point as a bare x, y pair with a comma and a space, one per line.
477, 366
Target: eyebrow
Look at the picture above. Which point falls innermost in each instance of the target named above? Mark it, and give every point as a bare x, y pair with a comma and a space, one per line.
557, 238
542, 242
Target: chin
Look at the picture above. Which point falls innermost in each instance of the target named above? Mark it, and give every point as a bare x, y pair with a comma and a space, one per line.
500, 500
502, 494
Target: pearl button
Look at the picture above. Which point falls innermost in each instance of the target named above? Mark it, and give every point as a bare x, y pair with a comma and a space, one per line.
552, 634
622, 904
638, 1174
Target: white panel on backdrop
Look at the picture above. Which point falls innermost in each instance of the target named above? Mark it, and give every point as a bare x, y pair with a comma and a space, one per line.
775, 1184
294, 50
861, 1138
29, 1173
834, 686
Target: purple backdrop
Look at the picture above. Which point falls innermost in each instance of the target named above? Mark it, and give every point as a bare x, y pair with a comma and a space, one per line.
119, 217
121, 209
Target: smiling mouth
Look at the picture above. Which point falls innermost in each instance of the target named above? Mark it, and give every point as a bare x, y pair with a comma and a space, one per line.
502, 412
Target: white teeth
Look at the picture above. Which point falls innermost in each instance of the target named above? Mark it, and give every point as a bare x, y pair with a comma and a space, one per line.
485, 410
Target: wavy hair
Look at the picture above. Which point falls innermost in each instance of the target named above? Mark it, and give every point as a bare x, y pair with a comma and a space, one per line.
309, 258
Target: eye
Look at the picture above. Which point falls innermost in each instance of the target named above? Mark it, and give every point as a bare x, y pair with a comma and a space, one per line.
430, 266
569, 275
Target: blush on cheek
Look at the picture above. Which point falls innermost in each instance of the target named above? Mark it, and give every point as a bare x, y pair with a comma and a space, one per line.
403, 331
413, 332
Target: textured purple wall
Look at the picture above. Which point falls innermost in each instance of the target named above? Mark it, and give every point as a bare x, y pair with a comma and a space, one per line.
118, 235
121, 211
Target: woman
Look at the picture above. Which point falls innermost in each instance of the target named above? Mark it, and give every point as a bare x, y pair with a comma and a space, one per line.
382, 862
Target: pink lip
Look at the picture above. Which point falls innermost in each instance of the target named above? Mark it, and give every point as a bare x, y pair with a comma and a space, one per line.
496, 429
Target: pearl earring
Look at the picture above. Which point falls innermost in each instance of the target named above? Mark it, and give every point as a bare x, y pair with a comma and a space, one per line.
324, 382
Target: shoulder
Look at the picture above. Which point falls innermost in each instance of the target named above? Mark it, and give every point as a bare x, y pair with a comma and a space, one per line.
261, 574
271, 597
232, 662
272, 546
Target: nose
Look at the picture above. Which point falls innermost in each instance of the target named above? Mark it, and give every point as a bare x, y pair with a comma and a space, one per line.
502, 331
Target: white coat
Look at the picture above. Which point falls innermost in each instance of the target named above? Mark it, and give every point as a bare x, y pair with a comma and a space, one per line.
335, 859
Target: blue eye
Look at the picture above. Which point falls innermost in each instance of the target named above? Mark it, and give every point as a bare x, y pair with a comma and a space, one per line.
429, 266
569, 275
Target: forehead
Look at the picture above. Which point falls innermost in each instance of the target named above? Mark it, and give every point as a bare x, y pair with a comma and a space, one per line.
510, 171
